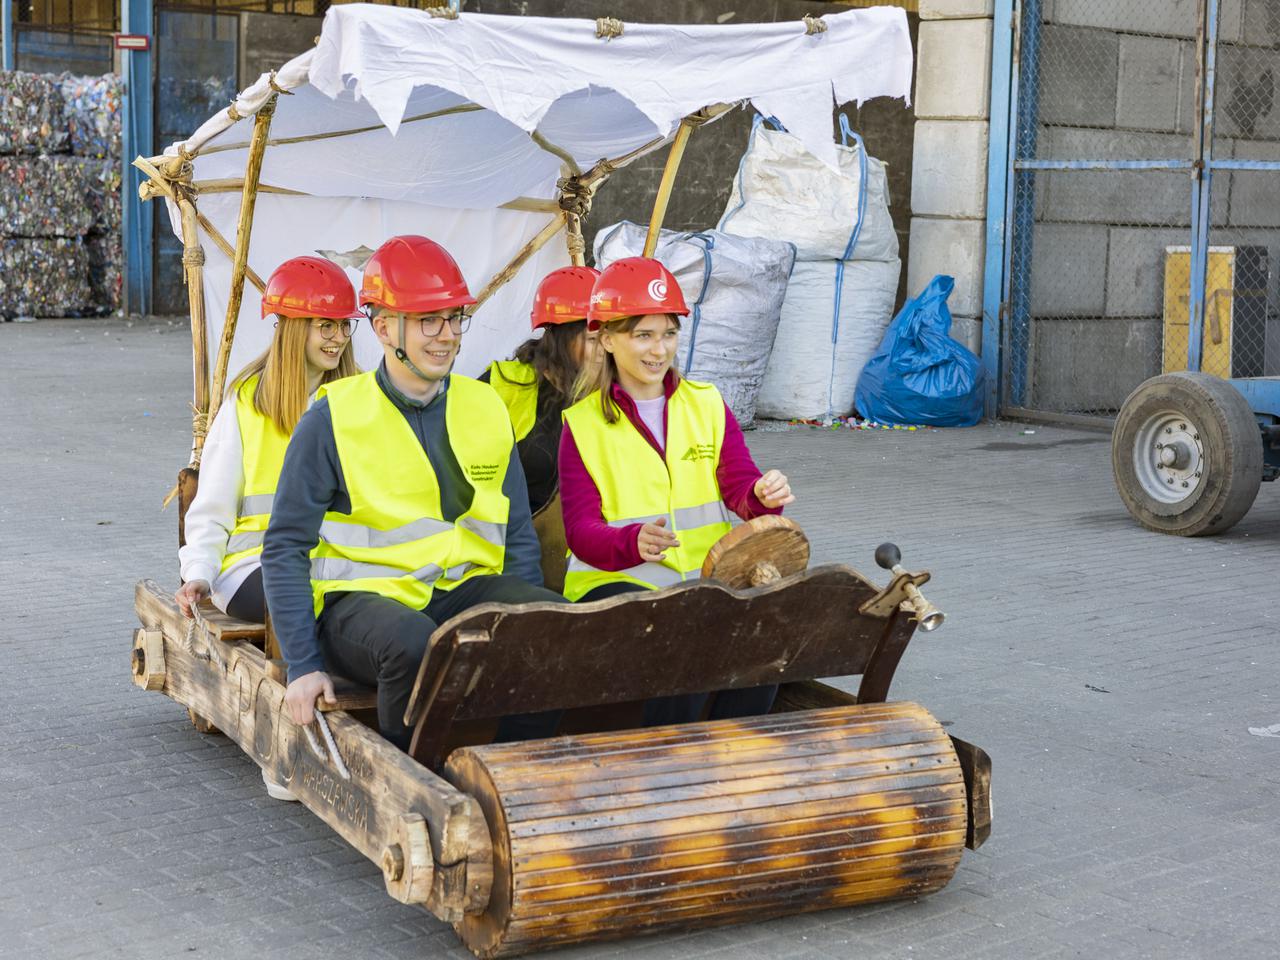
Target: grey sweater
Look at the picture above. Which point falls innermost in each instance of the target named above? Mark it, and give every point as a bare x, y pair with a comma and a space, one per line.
311, 484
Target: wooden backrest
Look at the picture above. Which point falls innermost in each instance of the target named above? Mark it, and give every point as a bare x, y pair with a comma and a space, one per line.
496, 659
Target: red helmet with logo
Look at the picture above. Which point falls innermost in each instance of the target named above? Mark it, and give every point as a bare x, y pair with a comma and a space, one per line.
632, 287
309, 287
563, 296
412, 274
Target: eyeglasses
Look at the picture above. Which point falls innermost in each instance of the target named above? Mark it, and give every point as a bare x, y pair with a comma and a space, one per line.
434, 326
329, 328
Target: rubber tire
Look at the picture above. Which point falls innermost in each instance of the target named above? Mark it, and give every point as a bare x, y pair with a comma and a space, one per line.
1232, 445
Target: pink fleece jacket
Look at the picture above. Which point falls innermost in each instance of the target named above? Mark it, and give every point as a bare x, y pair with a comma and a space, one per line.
593, 541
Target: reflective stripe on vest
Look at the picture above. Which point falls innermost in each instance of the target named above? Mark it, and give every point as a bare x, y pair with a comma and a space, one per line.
262, 447
517, 384
396, 542
636, 485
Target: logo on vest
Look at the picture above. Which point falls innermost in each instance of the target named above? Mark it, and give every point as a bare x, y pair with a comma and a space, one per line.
482, 472
658, 289
700, 451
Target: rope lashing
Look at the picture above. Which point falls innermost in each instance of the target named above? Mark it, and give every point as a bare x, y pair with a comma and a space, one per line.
607, 28
444, 13
199, 423
193, 256
197, 621
813, 25
575, 196
271, 81
233, 113
576, 245
339, 767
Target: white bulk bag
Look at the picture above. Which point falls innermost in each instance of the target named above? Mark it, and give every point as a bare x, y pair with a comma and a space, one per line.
809, 377
783, 192
734, 288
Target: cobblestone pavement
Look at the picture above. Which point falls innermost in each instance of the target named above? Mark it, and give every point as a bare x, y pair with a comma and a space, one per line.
1111, 673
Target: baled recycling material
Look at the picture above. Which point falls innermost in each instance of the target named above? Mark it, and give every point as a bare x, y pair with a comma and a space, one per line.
43, 276
920, 375
61, 252
92, 109
32, 119
734, 288
45, 196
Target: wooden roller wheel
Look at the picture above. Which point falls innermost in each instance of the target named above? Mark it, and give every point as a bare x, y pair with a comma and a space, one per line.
757, 552
615, 834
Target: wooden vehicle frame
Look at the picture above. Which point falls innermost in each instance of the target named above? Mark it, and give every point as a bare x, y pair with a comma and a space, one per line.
428, 819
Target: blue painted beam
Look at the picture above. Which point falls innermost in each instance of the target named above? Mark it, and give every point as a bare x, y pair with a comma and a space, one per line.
1104, 164
137, 16
1202, 207
6, 11
1266, 165
998, 159
1263, 394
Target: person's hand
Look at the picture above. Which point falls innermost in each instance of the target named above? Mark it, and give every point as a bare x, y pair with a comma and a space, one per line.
190, 594
301, 695
654, 540
773, 490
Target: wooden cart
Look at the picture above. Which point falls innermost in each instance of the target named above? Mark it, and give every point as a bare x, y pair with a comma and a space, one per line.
606, 830
609, 831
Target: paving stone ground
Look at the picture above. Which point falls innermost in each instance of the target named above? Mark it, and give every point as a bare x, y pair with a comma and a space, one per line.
1111, 673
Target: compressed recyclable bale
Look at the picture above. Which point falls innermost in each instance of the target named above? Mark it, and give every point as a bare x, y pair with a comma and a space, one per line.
91, 106
106, 270
31, 114
44, 196
44, 277
734, 288
809, 376
783, 192
102, 193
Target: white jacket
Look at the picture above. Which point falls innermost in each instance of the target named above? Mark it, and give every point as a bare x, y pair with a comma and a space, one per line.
212, 515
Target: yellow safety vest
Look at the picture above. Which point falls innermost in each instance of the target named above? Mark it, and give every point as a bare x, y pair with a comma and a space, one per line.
517, 385
637, 485
396, 542
262, 448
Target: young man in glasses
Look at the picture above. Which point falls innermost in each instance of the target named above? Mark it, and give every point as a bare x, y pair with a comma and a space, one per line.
401, 502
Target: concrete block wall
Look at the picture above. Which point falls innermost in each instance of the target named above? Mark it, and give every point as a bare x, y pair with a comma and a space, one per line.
949, 181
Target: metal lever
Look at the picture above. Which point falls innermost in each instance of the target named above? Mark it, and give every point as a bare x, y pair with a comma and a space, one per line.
889, 557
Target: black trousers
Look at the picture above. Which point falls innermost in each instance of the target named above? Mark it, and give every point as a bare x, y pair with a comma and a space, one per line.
380, 642
249, 602
686, 708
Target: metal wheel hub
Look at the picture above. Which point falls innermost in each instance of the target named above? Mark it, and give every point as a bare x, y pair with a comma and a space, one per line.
1169, 458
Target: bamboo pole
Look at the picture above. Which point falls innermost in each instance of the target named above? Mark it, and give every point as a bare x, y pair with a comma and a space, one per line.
158, 186
193, 268
528, 250
240, 260
668, 181
573, 239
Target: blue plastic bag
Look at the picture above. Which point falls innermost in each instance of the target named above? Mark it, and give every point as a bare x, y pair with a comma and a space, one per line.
919, 375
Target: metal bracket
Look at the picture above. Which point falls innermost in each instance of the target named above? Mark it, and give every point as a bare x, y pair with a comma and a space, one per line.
884, 603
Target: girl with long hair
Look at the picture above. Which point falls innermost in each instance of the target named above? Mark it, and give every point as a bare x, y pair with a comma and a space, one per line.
315, 309
537, 384
652, 466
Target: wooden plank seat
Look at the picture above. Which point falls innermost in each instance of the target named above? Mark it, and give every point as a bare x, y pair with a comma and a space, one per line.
497, 659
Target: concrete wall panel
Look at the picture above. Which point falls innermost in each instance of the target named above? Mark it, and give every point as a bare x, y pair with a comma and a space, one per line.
1091, 364
953, 247
1068, 270
953, 79
950, 176
1149, 83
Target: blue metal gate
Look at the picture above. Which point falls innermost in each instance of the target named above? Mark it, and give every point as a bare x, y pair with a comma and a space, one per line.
1143, 209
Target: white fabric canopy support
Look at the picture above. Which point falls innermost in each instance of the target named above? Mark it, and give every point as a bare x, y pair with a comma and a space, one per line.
426, 160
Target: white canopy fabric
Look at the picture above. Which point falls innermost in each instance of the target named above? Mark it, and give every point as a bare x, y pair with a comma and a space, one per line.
434, 121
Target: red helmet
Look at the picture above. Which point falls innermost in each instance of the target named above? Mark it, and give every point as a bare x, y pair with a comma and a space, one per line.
309, 287
633, 287
414, 275
563, 296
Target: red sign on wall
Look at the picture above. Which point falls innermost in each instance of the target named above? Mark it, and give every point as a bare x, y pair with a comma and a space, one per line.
132, 41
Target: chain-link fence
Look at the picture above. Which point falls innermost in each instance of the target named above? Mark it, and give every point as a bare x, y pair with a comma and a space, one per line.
1102, 201
1144, 205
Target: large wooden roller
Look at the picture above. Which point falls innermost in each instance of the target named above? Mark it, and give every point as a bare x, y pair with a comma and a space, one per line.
614, 834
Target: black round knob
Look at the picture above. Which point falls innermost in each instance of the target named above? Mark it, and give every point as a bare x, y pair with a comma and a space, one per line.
888, 555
